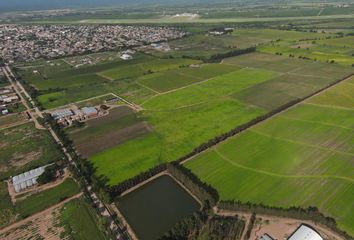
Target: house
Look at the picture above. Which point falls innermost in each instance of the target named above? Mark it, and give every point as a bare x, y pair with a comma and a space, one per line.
62, 113
305, 232
90, 111
126, 56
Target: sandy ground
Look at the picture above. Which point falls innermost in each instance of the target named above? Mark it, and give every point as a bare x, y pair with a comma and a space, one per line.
277, 227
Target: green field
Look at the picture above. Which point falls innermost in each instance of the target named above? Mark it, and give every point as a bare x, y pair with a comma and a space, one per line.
336, 49
59, 83
283, 161
25, 147
80, 221
188, 116
7, 213
40, 201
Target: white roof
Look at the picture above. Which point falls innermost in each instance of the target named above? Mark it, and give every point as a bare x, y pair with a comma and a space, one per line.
305, 233
27, 179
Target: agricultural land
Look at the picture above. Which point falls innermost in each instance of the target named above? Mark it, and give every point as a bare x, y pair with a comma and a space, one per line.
283, 161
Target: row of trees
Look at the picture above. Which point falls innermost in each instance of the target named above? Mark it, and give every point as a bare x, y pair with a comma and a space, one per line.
204, 192
201, 224
310, 213
220, 56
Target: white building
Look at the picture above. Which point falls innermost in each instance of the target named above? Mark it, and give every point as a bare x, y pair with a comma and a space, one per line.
305, 233
27, 179
126, 56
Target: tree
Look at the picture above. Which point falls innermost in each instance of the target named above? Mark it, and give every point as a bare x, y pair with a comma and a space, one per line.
49, 175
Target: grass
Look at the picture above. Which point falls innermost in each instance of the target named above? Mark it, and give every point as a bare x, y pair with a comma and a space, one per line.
80, 221
283, 161
173, 79
335, 49
59, 84
10, 119
7, 213
176, 134
25, 147
40, 201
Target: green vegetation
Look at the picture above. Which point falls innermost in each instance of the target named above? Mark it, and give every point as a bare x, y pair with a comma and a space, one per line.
40, 201
336, 49
80, 221
200, 227
10, 119
7, 213
57, 83
283, 161
25, 147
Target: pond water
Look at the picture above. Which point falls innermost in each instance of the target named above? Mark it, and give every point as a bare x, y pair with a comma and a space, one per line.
156, 207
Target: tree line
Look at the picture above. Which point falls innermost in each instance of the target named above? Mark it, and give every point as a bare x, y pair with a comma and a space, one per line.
203, 224
204, 192
310, 213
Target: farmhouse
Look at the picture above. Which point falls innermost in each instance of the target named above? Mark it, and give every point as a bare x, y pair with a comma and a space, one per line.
305, 232
62, 113
126, 57
89, 111
27, 179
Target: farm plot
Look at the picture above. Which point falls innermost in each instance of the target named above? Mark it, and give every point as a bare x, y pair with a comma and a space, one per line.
7, 212
188, 116
204, 46
283, 161
119, 126
182, 120
173, 79
74, 220
24, 147
335, 49
59, 85
40, 201
296, 79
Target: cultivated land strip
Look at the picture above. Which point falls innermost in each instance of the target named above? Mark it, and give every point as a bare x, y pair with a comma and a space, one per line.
280, 175
300, 143
318, 122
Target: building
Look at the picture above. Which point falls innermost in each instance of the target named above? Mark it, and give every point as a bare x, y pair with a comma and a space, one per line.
62, 113
89, 111
265, 237
305, 232
27, 179
126, 56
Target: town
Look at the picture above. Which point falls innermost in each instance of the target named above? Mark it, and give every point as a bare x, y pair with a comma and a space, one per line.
26, 43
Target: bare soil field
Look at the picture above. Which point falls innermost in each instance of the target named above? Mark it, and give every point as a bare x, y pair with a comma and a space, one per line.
119, 126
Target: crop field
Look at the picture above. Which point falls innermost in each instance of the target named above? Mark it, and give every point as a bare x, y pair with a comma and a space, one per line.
40, 201
173, 79
185, 117
336, 49
80, 221
74, 220
301, 157
296, 79
7, 213
121, 125
204, 46
59, 83
24, 147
